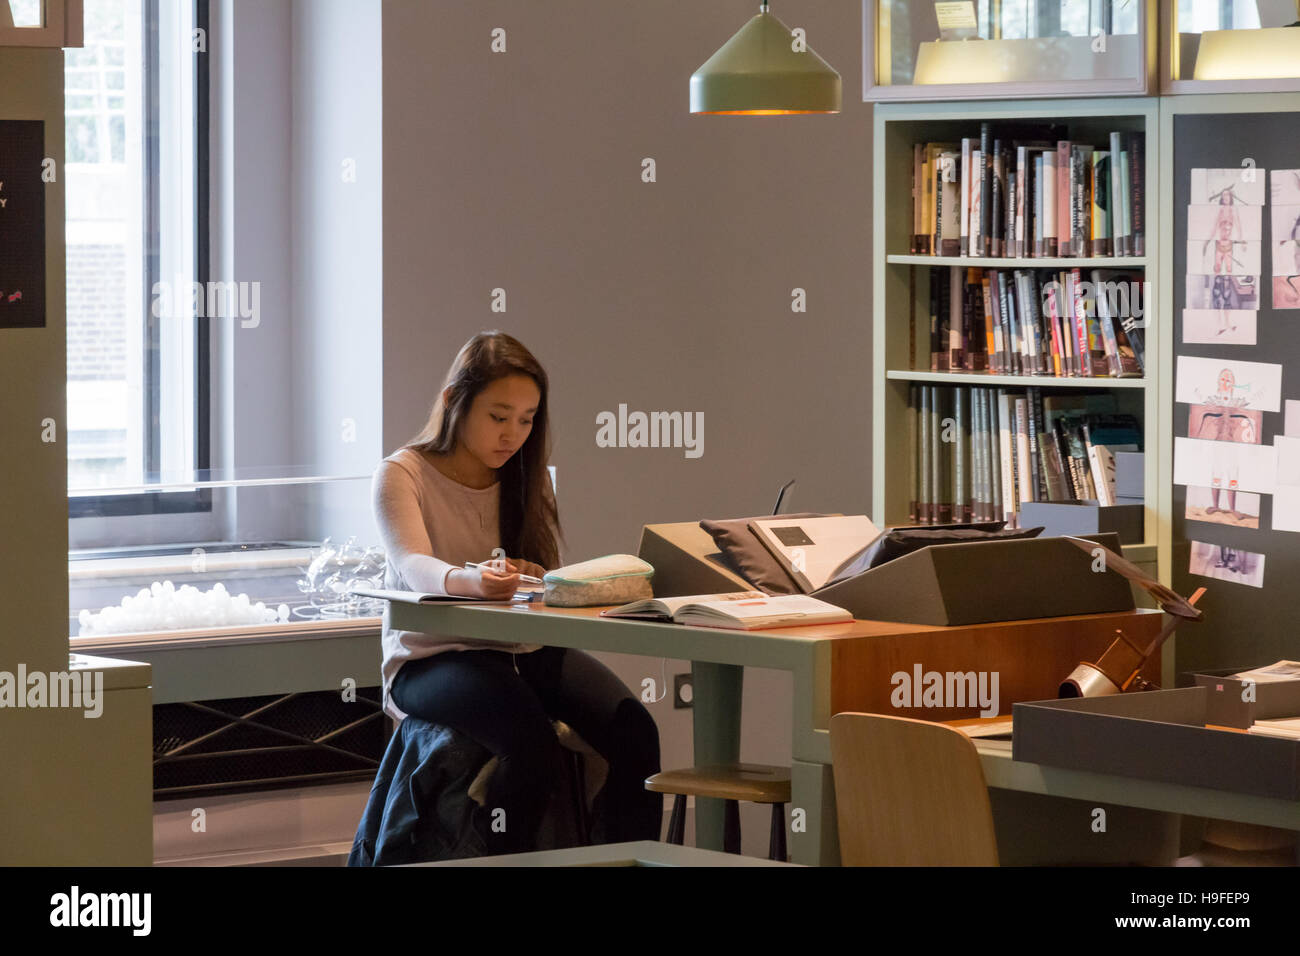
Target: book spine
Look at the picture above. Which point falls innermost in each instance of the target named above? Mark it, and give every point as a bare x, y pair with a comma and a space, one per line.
1096, 340
1137, 173
1050, 203
992, 332
918, 150
1077, 245
1064, 238
956, 317
980, 454
1102, 307
1067, 323
993, 456
986, 188
934, 320
965, 196
1039, 247
936, 227
1009, 222
996, 216
1023, 483
1101, 217
960, 469
1136, 339
1118, 239
1022, 184
913, 472
922, 451
978, 354
976, 188
1020, 353
1126, 202
1035, 468
1037, 411
942, 465
1129, 366
1058, 339
1067, 463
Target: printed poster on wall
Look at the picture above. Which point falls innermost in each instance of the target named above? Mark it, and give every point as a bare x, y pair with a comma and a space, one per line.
22, 225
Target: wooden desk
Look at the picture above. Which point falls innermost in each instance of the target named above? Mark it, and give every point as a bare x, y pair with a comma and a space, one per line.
836, 667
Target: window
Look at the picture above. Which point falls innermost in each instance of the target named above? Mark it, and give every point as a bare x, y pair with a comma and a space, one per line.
135, 173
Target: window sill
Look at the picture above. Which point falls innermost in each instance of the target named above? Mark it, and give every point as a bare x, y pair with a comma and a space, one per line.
125, 644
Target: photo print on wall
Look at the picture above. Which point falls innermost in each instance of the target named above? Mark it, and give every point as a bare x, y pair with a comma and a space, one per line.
1284, 218
1238, 509
1227, 564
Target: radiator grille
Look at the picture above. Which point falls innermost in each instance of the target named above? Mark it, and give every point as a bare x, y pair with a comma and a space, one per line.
241, 744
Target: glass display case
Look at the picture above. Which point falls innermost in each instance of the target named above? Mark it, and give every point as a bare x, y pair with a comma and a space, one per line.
1213, 46
1008, 49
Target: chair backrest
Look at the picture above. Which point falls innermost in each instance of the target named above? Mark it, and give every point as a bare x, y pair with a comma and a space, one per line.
909, 793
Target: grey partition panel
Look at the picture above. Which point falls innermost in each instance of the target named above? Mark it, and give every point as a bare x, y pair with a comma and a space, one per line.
1244, 625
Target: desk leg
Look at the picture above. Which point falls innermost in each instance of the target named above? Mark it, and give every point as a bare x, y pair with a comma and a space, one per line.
716, 705
812, 790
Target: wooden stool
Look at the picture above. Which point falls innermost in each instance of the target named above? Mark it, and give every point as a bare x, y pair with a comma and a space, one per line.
752, 782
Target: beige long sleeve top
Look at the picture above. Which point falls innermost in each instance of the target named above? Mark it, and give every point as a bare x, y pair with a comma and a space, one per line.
429, 525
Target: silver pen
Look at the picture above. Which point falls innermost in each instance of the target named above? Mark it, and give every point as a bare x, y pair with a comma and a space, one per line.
472, 565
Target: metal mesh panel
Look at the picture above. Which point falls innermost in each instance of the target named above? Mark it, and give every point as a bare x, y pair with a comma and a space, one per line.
201, 747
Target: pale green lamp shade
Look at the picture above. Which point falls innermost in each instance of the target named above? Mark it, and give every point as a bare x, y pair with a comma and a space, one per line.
757, 72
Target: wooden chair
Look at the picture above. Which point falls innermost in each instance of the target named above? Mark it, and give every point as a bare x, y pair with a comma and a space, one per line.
752, 782
909, 793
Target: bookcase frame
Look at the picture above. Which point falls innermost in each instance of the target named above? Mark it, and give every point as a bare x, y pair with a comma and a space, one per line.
896, 126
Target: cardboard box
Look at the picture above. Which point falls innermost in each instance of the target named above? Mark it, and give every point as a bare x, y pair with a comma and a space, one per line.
1155, 735
1084, 517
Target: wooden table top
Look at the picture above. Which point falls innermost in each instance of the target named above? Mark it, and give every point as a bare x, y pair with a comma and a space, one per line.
848, 629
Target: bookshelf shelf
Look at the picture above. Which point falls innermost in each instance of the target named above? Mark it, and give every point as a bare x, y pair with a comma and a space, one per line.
901, 287
1096, 262
995, 380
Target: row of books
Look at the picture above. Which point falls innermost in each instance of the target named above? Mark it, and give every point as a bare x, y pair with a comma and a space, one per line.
1022, 192
978, 453
1037, 322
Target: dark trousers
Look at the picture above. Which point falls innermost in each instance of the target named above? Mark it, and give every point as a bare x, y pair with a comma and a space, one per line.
480, 694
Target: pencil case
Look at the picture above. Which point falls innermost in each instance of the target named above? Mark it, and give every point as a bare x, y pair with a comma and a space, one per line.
612, 579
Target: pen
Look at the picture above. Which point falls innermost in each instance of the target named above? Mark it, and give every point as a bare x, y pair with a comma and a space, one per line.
528, 578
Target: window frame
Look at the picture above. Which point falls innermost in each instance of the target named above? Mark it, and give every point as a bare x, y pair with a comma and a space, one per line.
200, 500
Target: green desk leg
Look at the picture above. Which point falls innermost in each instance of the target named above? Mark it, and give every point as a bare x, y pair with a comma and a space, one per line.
717, 737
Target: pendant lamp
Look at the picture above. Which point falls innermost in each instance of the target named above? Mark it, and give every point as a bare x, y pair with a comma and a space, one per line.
760, 72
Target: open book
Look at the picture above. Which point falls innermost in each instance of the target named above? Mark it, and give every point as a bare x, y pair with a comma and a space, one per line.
816, 551
739, 610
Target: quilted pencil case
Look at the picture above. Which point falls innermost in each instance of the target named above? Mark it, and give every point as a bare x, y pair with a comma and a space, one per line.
612, 579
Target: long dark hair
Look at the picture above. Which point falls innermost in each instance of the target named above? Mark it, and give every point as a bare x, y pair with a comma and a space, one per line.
527, 517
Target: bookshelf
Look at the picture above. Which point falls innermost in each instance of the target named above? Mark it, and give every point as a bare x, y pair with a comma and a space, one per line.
897, 126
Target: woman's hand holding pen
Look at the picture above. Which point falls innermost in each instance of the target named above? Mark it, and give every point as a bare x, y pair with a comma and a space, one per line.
484, 582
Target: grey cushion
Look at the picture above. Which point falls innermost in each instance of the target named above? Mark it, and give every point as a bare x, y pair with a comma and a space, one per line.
749, 557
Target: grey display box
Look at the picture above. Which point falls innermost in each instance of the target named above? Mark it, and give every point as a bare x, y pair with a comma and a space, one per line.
1084, 517
1226, 706
947, 585
1130, 474
1155, 735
